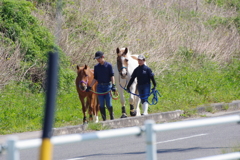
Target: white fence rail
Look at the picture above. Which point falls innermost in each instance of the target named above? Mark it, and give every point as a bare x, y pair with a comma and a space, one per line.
228, 156
150, 129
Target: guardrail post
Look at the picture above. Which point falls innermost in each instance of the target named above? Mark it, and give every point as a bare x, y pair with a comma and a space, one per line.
151, 140
12, 151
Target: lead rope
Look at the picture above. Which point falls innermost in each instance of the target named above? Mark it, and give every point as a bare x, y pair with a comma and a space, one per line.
155, 93
114, 96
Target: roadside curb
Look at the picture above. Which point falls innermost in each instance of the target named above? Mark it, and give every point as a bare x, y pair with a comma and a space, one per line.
216, 107
157, 117
122, 122
210, 110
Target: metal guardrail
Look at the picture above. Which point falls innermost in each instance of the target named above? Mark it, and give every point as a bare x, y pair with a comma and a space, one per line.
150, 128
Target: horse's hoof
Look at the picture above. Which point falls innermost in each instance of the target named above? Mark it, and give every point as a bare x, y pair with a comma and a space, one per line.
124, 115
133, 113
84, 123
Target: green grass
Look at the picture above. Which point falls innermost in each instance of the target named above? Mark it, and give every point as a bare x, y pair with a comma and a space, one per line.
20, 110
184, 87
225, 107
97, 127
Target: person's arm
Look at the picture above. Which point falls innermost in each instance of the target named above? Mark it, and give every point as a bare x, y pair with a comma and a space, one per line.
113, 80
132, 79
93, 81
130, 83
154, 82
90, 86
151, 74
113, 84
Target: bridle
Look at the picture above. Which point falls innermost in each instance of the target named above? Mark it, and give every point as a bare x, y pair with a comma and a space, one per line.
122, 67
85, 82
121, 74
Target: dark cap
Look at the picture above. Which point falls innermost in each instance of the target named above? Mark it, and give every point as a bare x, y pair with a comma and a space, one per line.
98, 54
141, 57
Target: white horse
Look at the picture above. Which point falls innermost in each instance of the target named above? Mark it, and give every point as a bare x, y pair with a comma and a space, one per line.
126, 63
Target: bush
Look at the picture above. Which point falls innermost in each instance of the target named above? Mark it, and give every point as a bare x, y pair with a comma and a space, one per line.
19, 25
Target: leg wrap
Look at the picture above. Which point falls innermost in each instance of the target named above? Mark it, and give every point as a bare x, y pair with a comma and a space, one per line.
132, 111
124, 115
123, 109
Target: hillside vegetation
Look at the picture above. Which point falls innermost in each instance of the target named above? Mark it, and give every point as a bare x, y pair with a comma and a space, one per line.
192, 46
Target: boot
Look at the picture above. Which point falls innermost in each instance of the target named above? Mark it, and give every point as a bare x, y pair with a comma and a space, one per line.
132, 111
145, 108
111, 113
103, 113
124, 115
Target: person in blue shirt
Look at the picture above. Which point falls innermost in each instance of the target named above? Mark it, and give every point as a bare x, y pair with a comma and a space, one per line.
103, 74
143, 74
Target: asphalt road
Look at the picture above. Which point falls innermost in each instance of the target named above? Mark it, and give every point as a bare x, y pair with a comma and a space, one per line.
171, 145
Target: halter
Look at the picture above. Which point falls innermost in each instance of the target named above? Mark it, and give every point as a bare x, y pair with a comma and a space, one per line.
85, 82
122, 68
121, 65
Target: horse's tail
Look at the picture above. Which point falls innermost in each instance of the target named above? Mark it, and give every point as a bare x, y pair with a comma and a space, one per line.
136, 90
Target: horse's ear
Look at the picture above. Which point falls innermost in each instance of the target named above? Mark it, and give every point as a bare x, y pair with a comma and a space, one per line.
85, 67
125, 51
118, 50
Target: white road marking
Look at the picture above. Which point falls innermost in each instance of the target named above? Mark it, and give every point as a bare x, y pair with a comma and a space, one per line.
198, 135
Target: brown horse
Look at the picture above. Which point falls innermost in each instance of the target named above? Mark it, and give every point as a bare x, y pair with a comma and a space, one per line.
90, 104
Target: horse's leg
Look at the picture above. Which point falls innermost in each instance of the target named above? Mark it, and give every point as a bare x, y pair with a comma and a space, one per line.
120, 91
83, 109
131, 100
90, 108
122, 99
96, 108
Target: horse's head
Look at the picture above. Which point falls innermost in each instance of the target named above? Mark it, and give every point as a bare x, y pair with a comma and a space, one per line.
83, 78
122, 62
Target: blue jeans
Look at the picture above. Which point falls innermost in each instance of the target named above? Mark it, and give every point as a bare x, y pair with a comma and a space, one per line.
144, 92
104, 98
